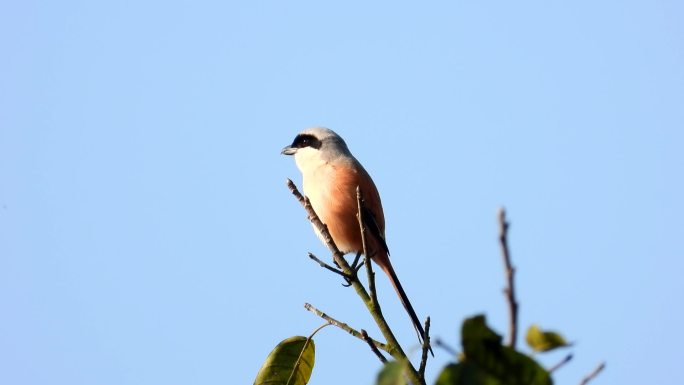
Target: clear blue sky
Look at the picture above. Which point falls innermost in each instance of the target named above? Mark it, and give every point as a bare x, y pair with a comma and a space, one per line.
147, 236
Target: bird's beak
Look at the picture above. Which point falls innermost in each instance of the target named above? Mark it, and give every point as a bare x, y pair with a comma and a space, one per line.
289, 150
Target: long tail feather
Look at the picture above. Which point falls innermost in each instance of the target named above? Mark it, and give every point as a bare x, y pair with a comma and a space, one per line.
389, 270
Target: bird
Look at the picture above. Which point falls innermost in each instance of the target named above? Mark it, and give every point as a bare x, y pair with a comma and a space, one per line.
330, 176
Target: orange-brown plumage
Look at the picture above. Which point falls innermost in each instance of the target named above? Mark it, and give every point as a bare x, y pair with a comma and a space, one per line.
333, 197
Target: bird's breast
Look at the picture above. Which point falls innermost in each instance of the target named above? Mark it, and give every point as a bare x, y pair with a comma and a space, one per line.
332, 193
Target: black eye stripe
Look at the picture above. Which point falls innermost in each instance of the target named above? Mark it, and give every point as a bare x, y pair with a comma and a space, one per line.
306, 140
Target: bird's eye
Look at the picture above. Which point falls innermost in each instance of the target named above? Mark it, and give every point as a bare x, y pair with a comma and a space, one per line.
305, 140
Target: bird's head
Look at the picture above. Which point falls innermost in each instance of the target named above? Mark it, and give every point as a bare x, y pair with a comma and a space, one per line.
315, 146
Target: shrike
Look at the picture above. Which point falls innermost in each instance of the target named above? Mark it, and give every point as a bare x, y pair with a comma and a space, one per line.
330, 176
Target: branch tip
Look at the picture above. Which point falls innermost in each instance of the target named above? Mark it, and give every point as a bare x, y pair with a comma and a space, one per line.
560, 364
373, 347
593, 373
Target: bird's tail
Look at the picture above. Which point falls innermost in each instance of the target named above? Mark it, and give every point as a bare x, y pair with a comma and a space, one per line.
389, 270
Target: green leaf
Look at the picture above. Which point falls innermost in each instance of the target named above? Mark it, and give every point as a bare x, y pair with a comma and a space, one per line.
392, 374
543, 341
465, 373
482, 346
292, 360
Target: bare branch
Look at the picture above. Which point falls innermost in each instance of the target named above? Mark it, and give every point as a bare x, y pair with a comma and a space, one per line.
560, 364
425, 348
509, 291
593, 373
344, 326
373, 347
328, 267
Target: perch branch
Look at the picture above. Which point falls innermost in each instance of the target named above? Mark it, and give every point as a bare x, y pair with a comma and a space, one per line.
509, 291
393, 346
338, 257
593, 373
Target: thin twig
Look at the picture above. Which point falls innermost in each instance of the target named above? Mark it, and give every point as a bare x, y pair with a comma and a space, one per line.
510, 273
441, 344
593, 373
373, 347
369, 268
344, 326
563, 362
326, 266
426, 348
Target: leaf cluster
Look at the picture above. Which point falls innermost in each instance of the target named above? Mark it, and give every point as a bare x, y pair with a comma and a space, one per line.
486, 361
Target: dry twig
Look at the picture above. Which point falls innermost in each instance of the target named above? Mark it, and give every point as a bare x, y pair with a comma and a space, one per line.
509, 291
